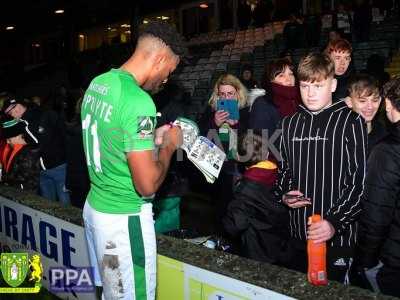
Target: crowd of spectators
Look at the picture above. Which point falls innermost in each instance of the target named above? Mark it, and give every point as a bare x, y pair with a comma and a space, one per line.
336, 153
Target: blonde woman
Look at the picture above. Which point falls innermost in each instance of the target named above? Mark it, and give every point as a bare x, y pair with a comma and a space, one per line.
227, 87
216, 123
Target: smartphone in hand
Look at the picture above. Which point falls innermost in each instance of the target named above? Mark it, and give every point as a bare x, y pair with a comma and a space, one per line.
289, 198
231, 106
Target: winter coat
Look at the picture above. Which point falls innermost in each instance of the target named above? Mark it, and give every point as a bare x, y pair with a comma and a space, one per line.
259, 220
264, 115
377, 134
379, 230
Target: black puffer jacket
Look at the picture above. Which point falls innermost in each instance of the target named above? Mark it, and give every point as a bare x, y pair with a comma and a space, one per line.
259, 220
379, 237
377, 134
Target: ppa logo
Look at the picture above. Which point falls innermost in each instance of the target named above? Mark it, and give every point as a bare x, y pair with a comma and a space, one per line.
77, 280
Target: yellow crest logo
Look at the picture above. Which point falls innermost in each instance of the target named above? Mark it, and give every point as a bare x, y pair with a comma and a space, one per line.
37, 269
15, 268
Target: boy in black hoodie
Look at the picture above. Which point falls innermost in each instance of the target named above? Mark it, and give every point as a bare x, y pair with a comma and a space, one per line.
323, 149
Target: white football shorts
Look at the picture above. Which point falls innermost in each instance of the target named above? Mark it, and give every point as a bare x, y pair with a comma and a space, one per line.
122, 250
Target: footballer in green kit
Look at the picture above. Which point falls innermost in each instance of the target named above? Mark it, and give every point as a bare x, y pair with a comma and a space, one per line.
119, 129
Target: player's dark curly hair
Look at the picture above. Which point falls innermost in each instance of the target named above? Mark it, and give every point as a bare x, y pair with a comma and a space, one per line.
168, 34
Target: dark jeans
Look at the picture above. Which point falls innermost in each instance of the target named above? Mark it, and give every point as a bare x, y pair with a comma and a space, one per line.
338, 260
52, 184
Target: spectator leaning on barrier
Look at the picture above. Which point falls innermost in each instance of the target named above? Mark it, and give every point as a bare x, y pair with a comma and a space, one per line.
119, 143
20, 157
378, 257
340, 52
323, 149
365, 99
48, 130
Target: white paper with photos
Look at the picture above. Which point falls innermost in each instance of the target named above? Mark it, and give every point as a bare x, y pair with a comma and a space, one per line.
204, 154
207, 156
190, 132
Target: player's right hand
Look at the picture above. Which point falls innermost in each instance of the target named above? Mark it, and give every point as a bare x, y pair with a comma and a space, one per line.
220, 117
173, 137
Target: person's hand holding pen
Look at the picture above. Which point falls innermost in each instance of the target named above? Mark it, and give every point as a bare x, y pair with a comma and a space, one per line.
169, 135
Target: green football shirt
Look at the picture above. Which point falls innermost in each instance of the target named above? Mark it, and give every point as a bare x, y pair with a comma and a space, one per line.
117, 117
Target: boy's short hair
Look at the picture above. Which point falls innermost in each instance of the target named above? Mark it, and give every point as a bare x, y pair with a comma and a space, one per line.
391, 91
315, 67
252, 142
363, 85
340, 45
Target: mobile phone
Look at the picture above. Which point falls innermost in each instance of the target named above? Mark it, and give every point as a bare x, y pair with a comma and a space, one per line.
295, 198
230, 106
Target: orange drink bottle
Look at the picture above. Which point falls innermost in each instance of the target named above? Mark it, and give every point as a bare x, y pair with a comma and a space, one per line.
316, 259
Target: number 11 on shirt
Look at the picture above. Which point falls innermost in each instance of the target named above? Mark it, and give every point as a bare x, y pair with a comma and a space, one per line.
91, 143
